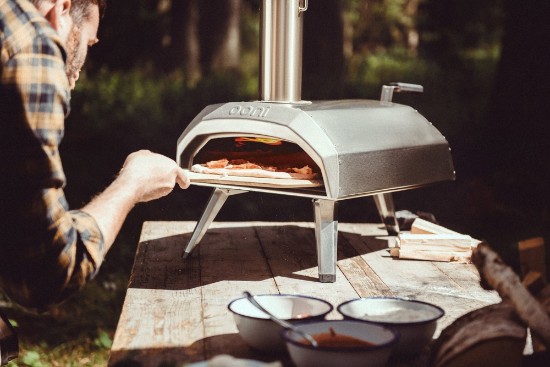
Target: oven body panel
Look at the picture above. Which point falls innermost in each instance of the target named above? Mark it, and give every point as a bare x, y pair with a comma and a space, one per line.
362, 147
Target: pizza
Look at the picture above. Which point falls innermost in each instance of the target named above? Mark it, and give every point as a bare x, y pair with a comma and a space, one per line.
244, 168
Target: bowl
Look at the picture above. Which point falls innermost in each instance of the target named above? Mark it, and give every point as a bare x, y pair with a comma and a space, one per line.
260, 332
353, 343
415, 321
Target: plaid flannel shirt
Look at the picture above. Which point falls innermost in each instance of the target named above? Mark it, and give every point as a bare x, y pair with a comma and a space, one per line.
46, 251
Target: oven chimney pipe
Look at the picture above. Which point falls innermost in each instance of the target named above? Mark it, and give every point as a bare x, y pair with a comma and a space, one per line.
281, 50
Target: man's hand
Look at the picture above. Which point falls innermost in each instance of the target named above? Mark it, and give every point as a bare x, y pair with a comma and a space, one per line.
152, 175
144, 176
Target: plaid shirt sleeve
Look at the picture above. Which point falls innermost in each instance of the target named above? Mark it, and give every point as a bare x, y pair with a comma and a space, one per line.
46, 251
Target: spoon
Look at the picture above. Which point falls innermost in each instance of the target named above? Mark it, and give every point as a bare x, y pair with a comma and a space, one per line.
283, 323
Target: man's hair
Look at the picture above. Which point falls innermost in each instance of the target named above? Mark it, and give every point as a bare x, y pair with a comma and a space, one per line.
80, 9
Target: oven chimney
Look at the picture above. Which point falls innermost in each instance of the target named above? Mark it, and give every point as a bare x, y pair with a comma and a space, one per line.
281, 50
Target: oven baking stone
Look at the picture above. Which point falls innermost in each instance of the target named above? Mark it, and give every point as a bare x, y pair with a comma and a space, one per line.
252, 181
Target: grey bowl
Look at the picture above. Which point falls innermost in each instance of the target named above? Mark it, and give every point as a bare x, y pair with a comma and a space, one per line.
415, 321
261, 333
377, 354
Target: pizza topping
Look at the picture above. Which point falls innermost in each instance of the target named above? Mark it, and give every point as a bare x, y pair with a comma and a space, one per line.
244, 164
221, 163
244, 168
306, 170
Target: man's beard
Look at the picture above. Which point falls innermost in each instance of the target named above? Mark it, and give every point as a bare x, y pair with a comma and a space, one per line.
74, 62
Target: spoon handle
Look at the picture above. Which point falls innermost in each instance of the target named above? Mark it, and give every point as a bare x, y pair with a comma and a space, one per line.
283, 323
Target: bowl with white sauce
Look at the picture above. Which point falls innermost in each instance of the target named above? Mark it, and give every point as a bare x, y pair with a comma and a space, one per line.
260, 332
416, 321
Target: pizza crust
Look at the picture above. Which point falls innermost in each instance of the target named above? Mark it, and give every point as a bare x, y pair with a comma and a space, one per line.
252, 172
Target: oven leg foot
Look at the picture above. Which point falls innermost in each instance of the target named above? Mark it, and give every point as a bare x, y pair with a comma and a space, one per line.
327, 278
215, 203
326, 236
386, 209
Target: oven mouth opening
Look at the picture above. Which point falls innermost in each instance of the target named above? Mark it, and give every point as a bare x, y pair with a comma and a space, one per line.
270, 161
261, 150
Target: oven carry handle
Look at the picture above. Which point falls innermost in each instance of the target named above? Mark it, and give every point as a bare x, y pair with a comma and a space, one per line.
387, 90
303, 8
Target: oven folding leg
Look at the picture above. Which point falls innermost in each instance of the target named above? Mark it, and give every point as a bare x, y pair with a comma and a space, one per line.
326, 236
215, 203
386, 209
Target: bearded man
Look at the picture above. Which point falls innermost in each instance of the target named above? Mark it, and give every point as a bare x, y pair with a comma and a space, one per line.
47, 251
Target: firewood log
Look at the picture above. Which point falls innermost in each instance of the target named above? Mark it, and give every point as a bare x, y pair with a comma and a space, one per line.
497, 275
435, 242
445, 256
489, 336
421, 226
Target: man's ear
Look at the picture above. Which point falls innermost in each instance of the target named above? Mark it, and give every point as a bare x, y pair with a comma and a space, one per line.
56, 12
58, 15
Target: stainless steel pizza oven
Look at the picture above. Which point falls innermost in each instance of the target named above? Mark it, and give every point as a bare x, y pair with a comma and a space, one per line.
357, 147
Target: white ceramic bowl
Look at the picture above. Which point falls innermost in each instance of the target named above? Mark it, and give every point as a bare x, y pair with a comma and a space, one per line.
263, 334
380, 338
415, 321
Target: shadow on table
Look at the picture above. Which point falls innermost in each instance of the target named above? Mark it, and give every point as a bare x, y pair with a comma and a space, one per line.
277, 251
183, 356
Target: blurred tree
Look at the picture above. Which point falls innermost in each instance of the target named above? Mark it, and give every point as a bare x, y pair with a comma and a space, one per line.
518, 130
184, 39
130, 34
450, 29
323, 51
384, 24
199, 36
220, 35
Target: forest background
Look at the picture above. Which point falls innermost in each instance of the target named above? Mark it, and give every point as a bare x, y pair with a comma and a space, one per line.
483, 64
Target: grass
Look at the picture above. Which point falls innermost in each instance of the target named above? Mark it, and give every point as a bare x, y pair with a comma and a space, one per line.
77, 333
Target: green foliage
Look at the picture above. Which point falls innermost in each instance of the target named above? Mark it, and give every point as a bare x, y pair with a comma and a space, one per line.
378, 68
76, 333
454, 97
103, 340
134, 97
32, 359
141, 100
453, 27
380, 23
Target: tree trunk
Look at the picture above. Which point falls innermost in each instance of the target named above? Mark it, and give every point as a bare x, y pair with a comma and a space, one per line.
515, 144
518, 128
184, 39
411, 11
323, 50
220, 34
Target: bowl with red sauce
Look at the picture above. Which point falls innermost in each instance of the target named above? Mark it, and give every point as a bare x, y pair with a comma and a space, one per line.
260, 332
341, 343
416, 321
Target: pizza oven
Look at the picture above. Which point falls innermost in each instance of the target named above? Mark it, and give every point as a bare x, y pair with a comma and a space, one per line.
355, 148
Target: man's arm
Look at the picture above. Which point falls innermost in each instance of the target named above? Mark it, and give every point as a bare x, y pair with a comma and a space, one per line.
145, 176
47, 251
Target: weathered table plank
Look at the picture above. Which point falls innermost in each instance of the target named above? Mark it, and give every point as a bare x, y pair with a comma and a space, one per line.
452, 286
175, 310
291, 253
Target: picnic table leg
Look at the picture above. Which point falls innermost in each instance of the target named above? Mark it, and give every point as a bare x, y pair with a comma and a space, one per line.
326, 236
215, 203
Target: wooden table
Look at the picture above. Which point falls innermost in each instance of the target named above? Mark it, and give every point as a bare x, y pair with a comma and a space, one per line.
175, 310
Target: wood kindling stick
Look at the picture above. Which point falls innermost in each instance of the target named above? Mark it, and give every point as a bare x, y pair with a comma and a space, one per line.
497, 275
